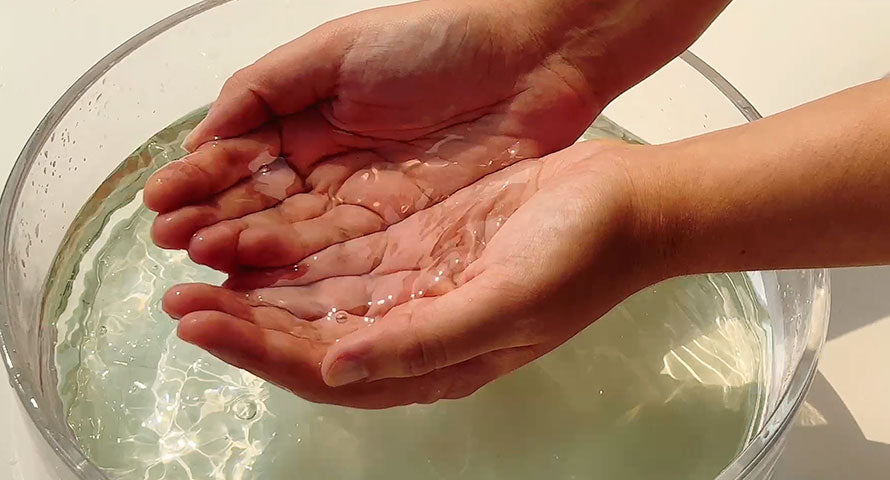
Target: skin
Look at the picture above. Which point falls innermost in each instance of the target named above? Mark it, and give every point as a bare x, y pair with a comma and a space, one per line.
460, 293
376, 128
384, 113
584, 228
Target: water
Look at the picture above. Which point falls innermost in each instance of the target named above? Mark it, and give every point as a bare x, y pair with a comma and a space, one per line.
668, 385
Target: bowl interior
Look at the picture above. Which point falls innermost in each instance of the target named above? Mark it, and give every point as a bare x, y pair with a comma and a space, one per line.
179, 65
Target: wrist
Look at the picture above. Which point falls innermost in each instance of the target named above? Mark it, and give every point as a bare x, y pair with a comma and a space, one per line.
614, 44
661, 222
645, 239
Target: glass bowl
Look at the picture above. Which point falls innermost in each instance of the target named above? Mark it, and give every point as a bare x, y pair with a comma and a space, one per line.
178, 65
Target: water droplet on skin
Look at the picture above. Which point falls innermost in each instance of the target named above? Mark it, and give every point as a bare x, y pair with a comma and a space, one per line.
411, 163
262, 160
341, 317
273, 179
438, 163
375, 204
366, 176
448, 138
404, 209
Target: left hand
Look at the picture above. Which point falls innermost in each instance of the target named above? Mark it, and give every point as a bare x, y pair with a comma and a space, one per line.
444, 302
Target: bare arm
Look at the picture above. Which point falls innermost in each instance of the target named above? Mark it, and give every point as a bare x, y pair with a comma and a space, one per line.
805, 188
617, 43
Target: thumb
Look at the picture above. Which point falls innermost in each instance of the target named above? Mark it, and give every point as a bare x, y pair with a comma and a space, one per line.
287, 80
429, 334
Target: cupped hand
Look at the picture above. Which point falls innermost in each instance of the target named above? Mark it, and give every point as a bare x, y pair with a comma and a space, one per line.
445, 301
361, 123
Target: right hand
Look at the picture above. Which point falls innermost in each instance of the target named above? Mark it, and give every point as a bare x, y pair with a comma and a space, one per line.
455, 296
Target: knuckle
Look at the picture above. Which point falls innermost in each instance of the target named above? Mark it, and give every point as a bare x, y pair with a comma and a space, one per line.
242, 78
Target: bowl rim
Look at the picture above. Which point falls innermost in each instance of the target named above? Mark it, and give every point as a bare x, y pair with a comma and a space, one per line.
71, 454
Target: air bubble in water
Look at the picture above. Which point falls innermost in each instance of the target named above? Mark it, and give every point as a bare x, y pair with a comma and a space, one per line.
245, 408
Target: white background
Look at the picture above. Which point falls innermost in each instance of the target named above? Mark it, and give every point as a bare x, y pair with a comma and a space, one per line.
778, 53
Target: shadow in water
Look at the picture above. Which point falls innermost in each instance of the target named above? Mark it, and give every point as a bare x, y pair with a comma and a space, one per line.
829, 445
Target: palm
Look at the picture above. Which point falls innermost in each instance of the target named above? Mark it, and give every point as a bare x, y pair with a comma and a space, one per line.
484, 246
416, 110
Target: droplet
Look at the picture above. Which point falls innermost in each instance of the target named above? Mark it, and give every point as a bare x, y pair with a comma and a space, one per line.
341, 316
438, 163
404, 209
102, 330
244, 408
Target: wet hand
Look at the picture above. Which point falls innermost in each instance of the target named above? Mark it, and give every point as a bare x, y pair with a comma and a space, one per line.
362, 122
443, 302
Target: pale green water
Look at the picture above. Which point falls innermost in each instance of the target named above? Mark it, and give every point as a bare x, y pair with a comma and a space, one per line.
668, 385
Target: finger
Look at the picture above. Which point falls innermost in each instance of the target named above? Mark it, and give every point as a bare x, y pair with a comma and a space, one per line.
252, 201
320, 300
356, 257
273, 246
209, 170
430, 334
422, 241
184, 299
456, 381
257, 193
292, 362
287, 80
282, 358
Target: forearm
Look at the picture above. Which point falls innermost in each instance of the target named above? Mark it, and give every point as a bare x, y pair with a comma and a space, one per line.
617, 43
805, 188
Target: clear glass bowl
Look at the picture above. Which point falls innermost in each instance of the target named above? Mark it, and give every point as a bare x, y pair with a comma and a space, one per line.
178, 65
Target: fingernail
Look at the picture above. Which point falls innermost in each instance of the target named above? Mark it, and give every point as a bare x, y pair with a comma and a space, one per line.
344, 371
187, 144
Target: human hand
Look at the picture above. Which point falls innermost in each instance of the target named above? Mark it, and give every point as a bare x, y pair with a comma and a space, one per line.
383, 113
377, 116
445, 301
